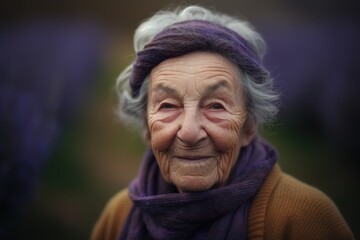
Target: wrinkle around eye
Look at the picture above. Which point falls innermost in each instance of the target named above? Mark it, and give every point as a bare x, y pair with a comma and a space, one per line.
167, 105
216, 106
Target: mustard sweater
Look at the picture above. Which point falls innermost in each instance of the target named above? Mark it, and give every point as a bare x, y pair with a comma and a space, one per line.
283, 208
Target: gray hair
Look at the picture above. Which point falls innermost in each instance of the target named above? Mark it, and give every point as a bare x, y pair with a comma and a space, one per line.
261, 99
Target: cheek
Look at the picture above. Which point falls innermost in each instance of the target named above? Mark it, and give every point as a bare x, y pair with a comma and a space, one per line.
161, 137
226, 135
227, 141
164, 164
161, 133
162, 127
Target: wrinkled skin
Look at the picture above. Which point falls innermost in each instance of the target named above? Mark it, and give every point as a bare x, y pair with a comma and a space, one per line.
196, 119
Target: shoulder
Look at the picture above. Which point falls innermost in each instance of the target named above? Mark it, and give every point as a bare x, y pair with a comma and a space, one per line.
113, 217
304, 212
294, 210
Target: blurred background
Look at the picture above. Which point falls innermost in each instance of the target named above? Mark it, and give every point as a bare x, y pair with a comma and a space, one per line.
63, 152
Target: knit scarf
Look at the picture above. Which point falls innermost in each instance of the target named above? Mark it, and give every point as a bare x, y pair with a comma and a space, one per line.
160, 212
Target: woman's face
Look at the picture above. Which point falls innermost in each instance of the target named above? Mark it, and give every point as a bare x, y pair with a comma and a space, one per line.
196, 115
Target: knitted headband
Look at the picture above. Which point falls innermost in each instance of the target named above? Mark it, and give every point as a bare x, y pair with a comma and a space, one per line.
195, 35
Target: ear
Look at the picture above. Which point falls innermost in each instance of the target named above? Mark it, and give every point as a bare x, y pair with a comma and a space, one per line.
249, 131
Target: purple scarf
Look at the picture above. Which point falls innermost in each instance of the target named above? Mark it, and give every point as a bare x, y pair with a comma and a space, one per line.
160, 212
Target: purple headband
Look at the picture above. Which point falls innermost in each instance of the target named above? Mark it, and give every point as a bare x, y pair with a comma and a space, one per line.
195, 35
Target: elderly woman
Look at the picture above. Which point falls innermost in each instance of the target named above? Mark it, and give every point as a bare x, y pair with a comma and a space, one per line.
199, 91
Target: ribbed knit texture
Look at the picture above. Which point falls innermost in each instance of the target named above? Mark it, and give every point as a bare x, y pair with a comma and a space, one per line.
289, 209
284, 208
161, 212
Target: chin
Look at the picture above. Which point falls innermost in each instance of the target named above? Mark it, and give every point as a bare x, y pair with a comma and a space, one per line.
193, 184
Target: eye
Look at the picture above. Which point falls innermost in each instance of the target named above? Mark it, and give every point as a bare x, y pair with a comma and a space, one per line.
167, 106
216, 106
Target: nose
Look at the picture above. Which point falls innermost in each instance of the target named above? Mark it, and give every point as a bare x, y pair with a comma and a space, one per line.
191, 129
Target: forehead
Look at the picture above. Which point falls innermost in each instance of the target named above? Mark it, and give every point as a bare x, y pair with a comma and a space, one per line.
203, 68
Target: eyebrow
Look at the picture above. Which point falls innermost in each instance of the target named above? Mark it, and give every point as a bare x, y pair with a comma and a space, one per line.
164, 88
218, 85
